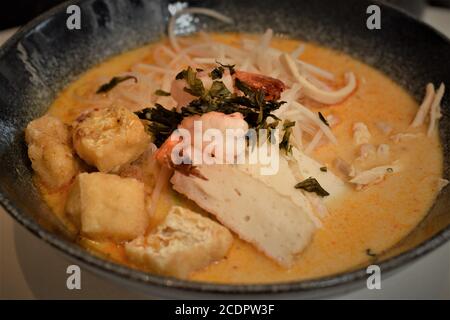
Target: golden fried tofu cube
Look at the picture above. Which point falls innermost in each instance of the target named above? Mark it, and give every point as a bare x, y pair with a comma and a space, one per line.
186, 241
50, 151
106, 206
109, 138
47, 128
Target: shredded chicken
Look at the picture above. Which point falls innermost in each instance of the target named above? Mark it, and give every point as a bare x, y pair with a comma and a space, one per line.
374, 175
344, 167
431, 105
361, 133
366, 150
383, 151
424, 107
384, 127
400, 137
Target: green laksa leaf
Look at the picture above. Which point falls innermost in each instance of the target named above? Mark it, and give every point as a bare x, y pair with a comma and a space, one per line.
323, 119
285, 144
162, 93
104, 88
312, 185
194, 84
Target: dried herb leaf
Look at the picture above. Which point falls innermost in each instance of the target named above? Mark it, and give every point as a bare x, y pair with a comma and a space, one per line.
243, 87
230, 67
114, 82
324, 169
284, 144
252, 106
312, 185
218, 89
370, 253
217, 73
162, 122
269, 127
162, 93
323, 119
194, 85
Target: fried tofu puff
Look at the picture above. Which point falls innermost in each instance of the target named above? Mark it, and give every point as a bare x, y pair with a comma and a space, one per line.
50, 151
109, 138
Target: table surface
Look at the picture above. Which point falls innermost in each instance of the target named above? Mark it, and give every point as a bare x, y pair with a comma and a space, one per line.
30, 269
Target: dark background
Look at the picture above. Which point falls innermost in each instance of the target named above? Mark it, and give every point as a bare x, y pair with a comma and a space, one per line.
18, 12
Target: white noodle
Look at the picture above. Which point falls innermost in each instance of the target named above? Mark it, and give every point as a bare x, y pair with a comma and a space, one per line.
205, 36
298, 52
266, 38
194, 49
288, 95
314, 142
166, 82
435, 112
326, 97
234, 53
213, 61
312, 116
307, 126
424, 107
315, 70
275, 73
153, 68
318, 83
157, 54
179, 57
297, 135
192, 10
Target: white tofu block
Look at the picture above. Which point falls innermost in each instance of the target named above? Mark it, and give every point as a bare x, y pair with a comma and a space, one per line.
186, 241
257, 213
284, 183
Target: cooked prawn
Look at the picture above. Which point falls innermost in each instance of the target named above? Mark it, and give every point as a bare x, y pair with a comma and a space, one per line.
210, 120
272, 87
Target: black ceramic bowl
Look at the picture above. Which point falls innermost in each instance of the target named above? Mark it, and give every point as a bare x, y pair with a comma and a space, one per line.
44, 56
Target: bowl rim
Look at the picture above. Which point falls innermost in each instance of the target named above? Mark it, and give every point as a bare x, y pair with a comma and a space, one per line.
337, 281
